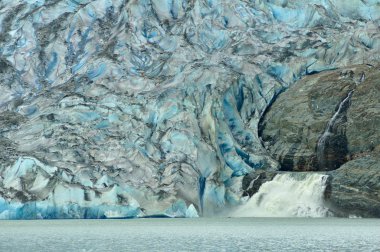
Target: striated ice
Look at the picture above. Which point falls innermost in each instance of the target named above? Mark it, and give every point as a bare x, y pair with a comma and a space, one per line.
57, 197
25, 169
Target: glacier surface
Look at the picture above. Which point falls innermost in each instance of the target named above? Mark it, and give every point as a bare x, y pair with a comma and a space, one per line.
115, 108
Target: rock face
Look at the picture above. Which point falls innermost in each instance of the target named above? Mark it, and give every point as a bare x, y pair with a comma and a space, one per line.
325, 120
354, 189
344, 103
157, 101
254, 180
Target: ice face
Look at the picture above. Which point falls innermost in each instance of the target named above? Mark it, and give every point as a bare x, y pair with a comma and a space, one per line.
50, 194
123, 108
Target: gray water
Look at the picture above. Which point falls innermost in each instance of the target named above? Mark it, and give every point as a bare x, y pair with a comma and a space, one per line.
203, 234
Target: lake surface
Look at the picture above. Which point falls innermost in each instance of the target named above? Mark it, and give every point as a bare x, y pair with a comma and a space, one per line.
203, 234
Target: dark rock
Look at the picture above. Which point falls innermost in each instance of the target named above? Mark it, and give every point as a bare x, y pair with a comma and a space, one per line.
298, 119
363, 117
354, 189
253, 181
296, 123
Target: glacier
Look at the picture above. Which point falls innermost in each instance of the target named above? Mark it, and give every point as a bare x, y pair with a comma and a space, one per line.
140, 108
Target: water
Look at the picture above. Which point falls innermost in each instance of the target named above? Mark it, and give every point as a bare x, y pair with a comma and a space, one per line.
288, 195
328, 130
202, 234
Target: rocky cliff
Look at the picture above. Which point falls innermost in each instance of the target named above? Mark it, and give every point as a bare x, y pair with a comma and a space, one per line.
324, 120
330, 121
132, 108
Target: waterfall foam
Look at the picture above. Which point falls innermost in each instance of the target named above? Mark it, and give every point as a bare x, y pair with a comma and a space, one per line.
288, 196
328, 131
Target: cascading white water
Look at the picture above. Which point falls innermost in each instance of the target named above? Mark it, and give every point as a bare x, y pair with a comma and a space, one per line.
286, 196
328, 131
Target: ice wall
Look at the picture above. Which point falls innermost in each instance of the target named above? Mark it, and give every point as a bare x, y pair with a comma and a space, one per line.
160, 97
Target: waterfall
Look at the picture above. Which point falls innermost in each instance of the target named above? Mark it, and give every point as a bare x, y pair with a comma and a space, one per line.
328, 131
288, 196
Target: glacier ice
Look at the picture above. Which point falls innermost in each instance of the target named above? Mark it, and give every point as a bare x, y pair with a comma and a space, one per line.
124, 108
47, 193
